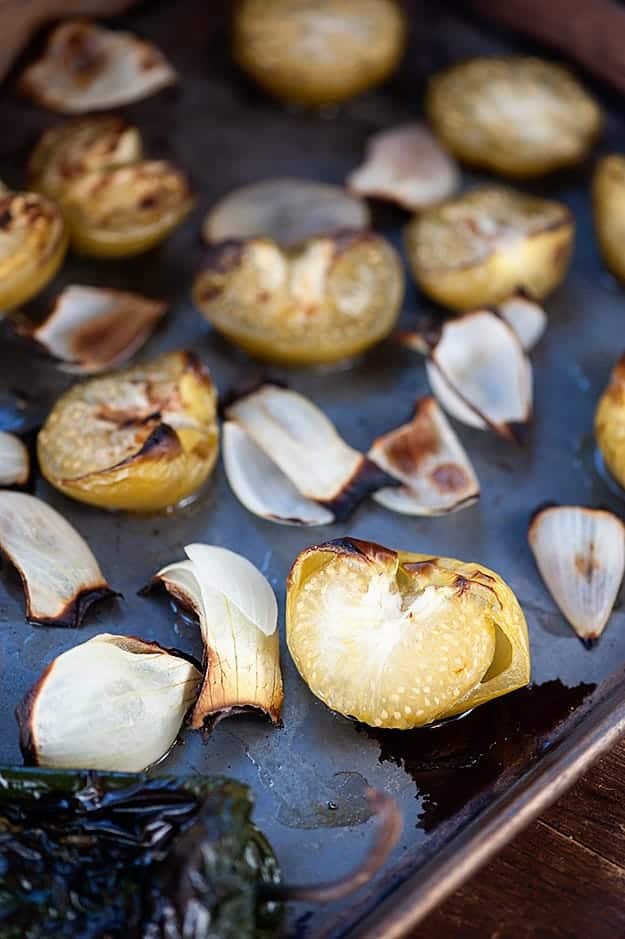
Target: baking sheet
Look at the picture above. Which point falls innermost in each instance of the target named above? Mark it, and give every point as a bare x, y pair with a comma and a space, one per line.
309, 776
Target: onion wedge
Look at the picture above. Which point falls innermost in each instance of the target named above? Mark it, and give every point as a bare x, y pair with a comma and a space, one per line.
87, 67
406, 165
114, 703
14, 461
479, 373
526, 317
92, 329
304, 445
238, 616
61, 577
580, 554
428, 458
286, 210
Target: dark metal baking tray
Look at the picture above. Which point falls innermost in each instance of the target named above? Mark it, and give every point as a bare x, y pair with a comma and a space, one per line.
468, 785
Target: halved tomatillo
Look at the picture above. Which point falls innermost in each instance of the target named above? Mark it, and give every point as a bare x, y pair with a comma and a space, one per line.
328, 299
396, 639
317, 52
68, 151
126, 210
33, 242
482, 247
140, 439
514, 115
608, 203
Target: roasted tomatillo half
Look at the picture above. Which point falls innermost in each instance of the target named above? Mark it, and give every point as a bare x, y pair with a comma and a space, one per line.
513, 115
125, 210
33, 242
610, 423
608, 202
479, 249
328, 299
317, 52
396, 639
139, 439
68, 151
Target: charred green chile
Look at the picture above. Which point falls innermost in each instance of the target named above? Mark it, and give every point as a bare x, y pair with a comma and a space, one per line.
104, 856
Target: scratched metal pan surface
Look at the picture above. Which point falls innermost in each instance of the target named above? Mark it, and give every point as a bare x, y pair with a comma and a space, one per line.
465, 786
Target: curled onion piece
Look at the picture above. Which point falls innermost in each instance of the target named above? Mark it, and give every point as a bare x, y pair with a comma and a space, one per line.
87, 67
580, 554
238, 616
14, 460
69, 150
33, 242
286, 210
261, 486
526, 317
91, 329
304, 445
406, 165
61, 577
479, 373
428, 458
114, 703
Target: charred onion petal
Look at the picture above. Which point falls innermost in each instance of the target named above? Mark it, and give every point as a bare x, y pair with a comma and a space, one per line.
261, 486
317, 52
92, 329
14, 461
127, 209
69, 150
33, 242
87, 67
408, 166
399, 640
608, 203
514, 115
480, 374
328, 299
428, 458
61, 577
113, 703
526, 317
287, 210
238, 616
305, 446
580, 554
139, 439
481, 247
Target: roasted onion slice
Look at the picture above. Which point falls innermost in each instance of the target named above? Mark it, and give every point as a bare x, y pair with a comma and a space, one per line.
87, 67
126, 210
406, 165
478, 249
318, 52
428, 458
33, 242
399, 640
61, 577
513, 115
286, 210
327, 300
114, 703
479, 372
92, 329
139, 439
14, 461
238, 615
580, 554
281, 435
68, 151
